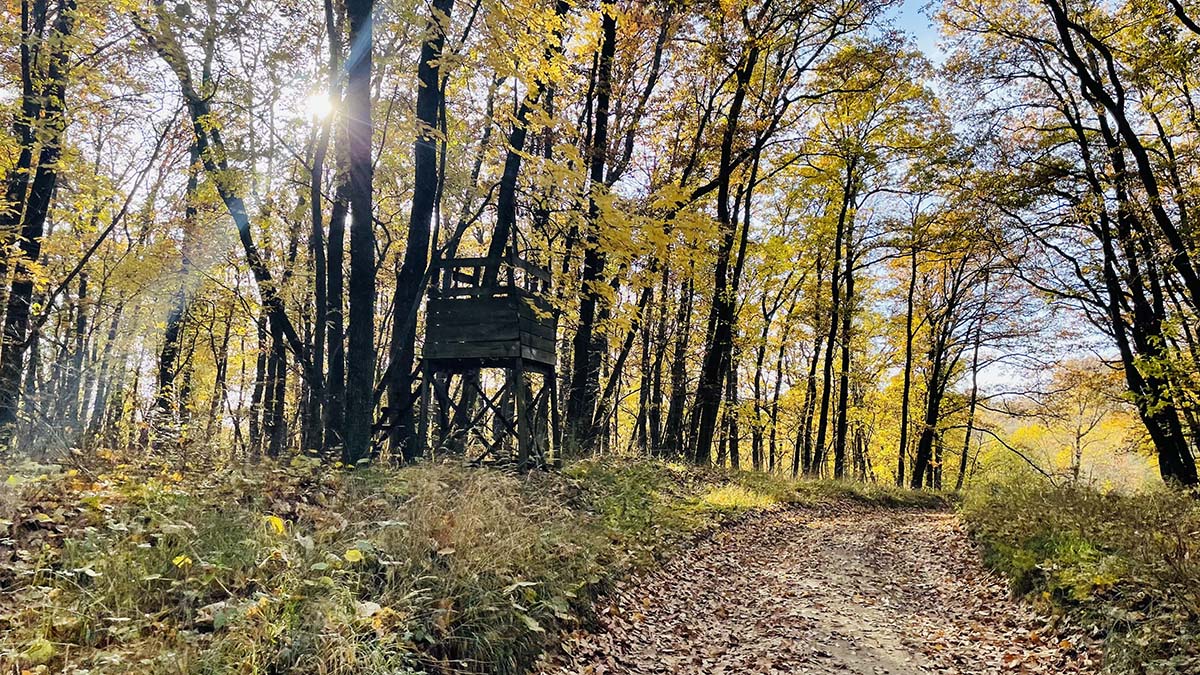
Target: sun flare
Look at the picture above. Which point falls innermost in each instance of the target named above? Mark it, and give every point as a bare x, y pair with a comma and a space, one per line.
319, 105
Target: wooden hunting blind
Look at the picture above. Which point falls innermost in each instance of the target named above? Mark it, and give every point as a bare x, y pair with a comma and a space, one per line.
489, 387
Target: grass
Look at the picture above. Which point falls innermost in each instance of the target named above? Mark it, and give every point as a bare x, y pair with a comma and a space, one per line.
300, 569
1127, 566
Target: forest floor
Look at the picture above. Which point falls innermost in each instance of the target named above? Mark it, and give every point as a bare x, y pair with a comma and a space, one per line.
633, 566
839, 588
296, 568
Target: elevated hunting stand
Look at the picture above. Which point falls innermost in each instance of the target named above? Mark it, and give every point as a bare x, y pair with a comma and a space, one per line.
489, 325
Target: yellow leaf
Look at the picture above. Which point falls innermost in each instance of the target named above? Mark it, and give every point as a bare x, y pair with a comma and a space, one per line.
275, 523
182, 561
353, 555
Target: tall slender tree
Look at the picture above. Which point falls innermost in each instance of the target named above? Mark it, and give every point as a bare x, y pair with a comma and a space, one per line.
360, 333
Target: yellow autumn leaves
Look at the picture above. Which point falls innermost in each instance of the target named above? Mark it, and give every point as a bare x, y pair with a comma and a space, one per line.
277, 526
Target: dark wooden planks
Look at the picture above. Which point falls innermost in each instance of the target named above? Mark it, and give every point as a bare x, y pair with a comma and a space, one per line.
514, 324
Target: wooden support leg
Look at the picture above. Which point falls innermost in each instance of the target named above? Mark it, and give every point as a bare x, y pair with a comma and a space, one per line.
442, 407
521, 407
423, 422
540, 425
554, 455
502, 426
504, 417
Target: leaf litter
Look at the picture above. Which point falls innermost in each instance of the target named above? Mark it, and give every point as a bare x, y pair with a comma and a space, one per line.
842, 588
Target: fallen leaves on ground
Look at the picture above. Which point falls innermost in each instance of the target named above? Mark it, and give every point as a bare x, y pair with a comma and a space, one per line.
839, 589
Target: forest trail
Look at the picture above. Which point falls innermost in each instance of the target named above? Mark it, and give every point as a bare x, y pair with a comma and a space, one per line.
843, 589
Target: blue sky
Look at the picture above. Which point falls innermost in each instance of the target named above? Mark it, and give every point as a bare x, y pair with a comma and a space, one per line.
911, 17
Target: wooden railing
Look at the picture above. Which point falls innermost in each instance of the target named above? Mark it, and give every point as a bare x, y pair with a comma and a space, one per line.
465, 276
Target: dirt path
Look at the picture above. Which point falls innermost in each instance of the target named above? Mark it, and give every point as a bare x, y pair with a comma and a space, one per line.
841, 590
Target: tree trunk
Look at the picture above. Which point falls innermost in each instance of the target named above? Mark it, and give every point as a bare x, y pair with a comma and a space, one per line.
645, 369
731, 403
906, 391
660, 348
718, 355
75, 384
835, 310
756, 428
411, 277
937, 462
33, 26
221, 359
673, 433
839, 444
587, 347
334, 415
335, 400
933, 401
100, 401
802, 453
360, 338
274, 422
773, 418
973, 400
166, 400
33, 221
260, 388
312, 432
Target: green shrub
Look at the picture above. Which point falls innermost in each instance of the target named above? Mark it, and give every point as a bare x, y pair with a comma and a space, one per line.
1128, 565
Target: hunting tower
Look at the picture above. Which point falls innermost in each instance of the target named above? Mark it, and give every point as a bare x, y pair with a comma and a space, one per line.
489, 387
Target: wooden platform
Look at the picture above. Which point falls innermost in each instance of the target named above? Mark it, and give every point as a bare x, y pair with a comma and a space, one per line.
484, 314
466, 332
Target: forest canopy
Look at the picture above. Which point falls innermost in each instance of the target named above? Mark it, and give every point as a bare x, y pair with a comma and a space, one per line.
762, 234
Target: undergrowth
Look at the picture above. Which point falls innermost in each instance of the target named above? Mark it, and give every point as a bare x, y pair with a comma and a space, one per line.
1128, 566
434, 568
